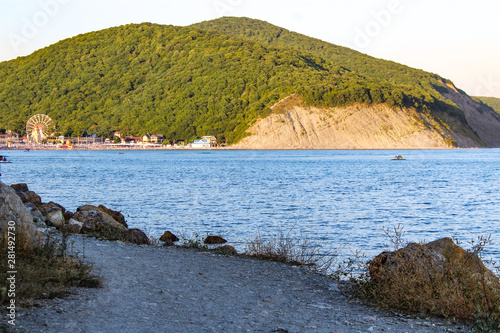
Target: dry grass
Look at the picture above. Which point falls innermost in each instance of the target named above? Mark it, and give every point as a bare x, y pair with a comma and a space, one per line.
282, 248
45, 271
294, 251
452, 289
194, 241
154, 239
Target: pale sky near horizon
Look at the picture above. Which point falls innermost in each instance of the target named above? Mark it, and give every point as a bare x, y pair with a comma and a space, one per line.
457, 39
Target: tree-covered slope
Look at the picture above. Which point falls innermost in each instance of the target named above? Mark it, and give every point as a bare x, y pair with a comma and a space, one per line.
185, 82
365, 65
492, 102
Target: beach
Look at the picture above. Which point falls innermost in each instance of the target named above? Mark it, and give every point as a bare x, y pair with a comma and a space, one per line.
159, 289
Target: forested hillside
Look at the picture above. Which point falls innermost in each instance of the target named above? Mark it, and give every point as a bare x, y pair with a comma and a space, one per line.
365, 65
185, 82
492, 102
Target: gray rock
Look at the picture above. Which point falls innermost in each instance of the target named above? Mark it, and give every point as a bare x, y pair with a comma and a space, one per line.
168, 237
72, 227
136, 236
30, 196
44, 208
35, 212
214, 240
20, 187
37, 216
75, 222
12, 209
40, 225
55, 217
31, 206
99, 222
117, 216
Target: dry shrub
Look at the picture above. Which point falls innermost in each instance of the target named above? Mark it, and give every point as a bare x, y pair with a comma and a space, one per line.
194, 241
293, 251
154, 239
46, 271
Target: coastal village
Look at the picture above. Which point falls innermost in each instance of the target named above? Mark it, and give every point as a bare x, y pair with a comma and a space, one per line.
41, 134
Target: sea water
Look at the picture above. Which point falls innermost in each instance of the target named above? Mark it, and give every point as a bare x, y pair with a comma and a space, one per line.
334, 199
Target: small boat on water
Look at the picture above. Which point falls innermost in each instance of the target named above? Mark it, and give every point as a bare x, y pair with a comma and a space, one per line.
398, 158
3, 159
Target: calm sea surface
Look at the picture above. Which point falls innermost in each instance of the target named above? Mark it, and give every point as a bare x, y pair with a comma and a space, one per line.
333, 198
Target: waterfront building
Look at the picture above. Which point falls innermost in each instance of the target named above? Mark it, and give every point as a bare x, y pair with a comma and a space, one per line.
205, 142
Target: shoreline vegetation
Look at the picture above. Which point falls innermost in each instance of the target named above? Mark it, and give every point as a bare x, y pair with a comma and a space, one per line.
438, 279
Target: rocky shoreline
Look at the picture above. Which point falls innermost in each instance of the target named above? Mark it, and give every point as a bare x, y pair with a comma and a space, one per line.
173, 289
88, 219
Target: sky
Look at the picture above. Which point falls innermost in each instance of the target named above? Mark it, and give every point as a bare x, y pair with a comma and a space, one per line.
457, 39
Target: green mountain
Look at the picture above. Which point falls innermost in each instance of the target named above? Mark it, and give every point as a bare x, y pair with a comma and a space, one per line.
186, 82
427, 86
492, 102
365, 65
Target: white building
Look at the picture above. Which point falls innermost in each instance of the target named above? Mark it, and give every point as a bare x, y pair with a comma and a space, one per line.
205, 142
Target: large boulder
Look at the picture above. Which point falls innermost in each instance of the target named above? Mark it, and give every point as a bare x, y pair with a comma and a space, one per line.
434, 257
13, 211
114, 214
455, 255
117, 216
98, 222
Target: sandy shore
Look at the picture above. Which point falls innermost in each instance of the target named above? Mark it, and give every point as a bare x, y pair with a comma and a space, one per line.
160, 289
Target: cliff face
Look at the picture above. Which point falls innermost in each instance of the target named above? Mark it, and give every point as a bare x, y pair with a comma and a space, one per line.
354, 127
483, 120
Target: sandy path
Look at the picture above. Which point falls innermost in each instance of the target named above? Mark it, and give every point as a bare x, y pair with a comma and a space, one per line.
154, 289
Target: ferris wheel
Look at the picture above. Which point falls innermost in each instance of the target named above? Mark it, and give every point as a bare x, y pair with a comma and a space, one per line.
39, 127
